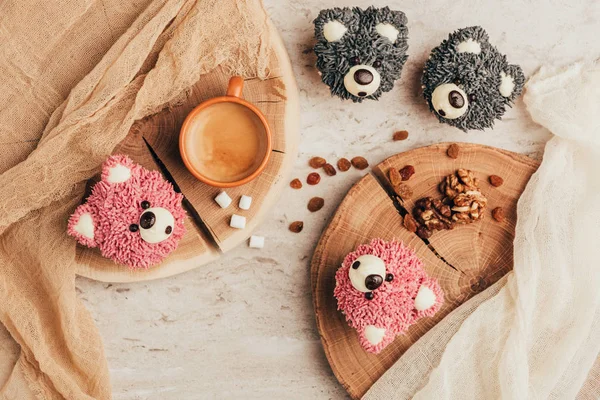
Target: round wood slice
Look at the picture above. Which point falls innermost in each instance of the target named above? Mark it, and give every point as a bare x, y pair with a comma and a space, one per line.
465, 260
153, 143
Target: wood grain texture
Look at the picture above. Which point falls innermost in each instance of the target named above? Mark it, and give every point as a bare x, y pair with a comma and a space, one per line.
208, 231
464, 260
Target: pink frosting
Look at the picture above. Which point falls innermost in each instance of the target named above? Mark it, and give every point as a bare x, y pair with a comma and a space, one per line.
115, 206
393, 305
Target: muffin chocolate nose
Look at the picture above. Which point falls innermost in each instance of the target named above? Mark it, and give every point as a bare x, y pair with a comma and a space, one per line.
456, 99
363, 76
372, 282
147, 220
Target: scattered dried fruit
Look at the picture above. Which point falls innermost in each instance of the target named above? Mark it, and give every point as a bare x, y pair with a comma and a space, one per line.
329, 169
410, 223
313, 178
496, 181
395, 178
453, 151
296, 184
400, 135
407, 172
317, 162
404, 191
296, 226
315, 204
498, 214
360, 163
343, 164
423, 232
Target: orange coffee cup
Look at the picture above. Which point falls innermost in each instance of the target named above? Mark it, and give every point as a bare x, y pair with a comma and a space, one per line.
225, 141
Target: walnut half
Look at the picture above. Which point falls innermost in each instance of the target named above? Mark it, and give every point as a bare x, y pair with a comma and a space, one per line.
463, 203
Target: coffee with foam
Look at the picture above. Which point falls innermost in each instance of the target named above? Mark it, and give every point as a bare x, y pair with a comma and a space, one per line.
226, 142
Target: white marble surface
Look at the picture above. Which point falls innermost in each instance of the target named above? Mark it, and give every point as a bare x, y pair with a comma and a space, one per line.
244, 327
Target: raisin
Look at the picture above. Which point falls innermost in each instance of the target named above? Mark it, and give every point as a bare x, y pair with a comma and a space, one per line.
496, 181
317, 162
409, 223
343, 164
329, 169
498, 214
315, 204
296, 184
400, 135
313, 178
360, 163
407, 172
296, 226
453, 151
395, 178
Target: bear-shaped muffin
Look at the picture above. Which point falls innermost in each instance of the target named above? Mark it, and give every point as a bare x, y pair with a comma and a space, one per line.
468, 83
132, 215
360, 53
382, 289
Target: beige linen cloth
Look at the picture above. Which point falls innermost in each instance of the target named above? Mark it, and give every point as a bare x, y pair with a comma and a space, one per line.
535, 334
74, 76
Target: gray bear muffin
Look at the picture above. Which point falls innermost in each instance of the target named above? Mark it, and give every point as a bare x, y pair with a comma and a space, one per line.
468, 83
360, 53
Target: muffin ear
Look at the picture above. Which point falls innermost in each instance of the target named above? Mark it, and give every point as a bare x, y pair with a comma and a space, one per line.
390, 24
512, 80
333, 24
471, 40
117, 169
82, 225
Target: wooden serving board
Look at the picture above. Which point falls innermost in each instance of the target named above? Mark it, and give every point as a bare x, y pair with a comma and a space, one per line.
465, 260
208, 231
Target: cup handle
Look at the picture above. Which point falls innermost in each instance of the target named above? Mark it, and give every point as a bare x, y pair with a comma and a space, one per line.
236, 84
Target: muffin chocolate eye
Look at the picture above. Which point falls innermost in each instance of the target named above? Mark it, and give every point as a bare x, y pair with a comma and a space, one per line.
168, 230
377, 63
369, 295
355, 61
472, 97
456, 99
145, 204
355, 264
389, 277
133, 228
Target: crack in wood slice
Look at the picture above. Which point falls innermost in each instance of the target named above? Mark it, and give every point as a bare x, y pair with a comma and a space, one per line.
397, 201
186, 203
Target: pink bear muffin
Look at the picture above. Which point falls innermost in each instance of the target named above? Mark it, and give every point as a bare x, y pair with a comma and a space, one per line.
382, 289
133, 215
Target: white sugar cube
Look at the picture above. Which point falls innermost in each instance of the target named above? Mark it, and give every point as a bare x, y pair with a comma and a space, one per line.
237, 221
245, 202
223, 200
257, 242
